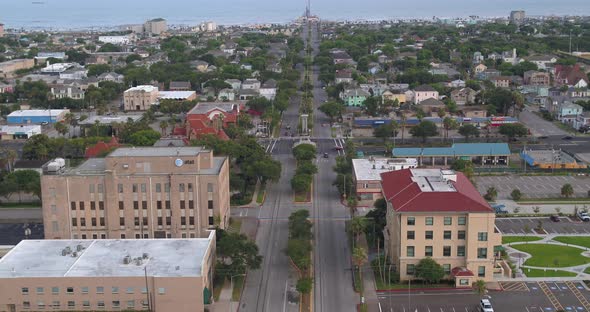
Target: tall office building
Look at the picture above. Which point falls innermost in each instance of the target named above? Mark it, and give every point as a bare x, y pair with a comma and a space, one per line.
155, 26
517, 17
149, 192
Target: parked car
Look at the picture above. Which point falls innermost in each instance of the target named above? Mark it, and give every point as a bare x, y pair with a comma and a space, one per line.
326, 155
485, 305
500, 209
583, 216
543, 137
554, 218
567, 137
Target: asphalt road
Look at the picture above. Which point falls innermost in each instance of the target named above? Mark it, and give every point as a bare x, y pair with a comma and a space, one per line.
538, 125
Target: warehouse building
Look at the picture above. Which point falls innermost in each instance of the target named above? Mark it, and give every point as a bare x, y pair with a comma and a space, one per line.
550, 159
20, 132
478, 153
36, 116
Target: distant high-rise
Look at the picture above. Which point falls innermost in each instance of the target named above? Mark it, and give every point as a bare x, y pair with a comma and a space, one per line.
155, 27
517, 17
1, 30
308, 9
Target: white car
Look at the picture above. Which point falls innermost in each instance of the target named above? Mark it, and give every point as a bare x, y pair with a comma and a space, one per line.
583, 216
485, 306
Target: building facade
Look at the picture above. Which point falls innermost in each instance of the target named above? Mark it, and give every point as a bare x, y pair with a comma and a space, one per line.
424, 92
8, 68
109, 275
140, 98
439, 214
36, 116
155, 26
155, 192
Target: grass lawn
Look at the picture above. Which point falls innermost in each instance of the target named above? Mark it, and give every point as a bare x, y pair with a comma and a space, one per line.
238, 285
19, 205
217, 286
583, 241
548, 255
517, 239
235, 225
554, 200
549, 273
261, 193
358, 284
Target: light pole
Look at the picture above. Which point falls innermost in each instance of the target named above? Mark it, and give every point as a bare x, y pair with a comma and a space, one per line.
231, 282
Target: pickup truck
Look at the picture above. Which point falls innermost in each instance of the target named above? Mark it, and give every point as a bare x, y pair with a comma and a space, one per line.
583, 216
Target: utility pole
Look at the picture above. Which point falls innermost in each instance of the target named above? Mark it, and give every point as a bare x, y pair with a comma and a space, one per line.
570, 41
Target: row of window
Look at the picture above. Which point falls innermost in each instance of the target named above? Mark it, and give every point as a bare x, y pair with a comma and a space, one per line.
100, 304
85, 290
137, 221
430, 221
429, 235
144, 205
411, 270
81, 205
482, 253
135, 187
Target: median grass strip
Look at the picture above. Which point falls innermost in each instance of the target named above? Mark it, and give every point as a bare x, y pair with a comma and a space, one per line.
547, 273
583, 241
549, 255
261, 194
237, 290
518, 239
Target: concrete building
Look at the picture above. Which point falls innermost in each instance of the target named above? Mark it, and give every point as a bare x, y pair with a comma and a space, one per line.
517, 17
110, 275
36, 116
537, 78
177, 95
269, 89
117, 40
478, 153
1, 30
43, 56
463, 96
439, 214
155, 26
8, 68
550, 159
208, 26
140, 98
18, 132
367, 175
150, 192
61, 92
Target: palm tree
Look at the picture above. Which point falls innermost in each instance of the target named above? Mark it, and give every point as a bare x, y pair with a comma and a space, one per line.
449, 124
357, 225
359, 257
441, 112
68, 120
163, 126
480, 287
403, 119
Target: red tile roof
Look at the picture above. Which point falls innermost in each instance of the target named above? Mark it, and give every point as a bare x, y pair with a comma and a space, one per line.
405, 195
461, 271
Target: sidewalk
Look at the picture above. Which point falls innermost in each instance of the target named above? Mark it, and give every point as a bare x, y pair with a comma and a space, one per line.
224, 303
369, 291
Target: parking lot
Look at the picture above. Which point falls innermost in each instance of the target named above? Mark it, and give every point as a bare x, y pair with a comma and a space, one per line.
566, 225
516, 296
533, 186
13, 233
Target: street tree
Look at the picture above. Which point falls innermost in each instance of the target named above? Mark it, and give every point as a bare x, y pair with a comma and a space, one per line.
429, 270
567, 190
304, 152
359, 257
449, 123
516, 194
236, 253
163, 126
386, 131
424, 130
299, 251
301, 183
304, 285
480, 287
332, 109
357, 226
513, 130
299, 225
468, 130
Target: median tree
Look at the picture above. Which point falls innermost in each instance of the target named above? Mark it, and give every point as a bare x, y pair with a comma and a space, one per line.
429, 270
468, 130
424, 130
304, 152
332, 109
513, 130
567, 190
516, 194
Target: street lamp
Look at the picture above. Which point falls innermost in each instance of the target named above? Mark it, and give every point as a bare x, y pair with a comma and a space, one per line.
231, 282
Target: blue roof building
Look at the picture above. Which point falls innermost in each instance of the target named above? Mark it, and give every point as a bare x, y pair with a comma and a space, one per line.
481, 153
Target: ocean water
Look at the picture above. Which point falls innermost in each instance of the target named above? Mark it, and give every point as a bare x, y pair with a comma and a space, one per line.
76, 14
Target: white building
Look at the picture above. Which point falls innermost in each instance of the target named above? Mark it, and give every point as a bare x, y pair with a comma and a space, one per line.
118, 40
57, 68
269, 89
18, 132
367, 174
209, 26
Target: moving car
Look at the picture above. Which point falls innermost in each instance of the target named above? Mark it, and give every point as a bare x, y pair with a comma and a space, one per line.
567, 137
338, 148
326, 155
485, 305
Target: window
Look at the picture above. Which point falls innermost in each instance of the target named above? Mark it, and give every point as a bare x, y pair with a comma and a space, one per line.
158, 188
159, 204
211, 221
82, 221
191, 204
122, 221
130, 303
182, 220
100, 290
167, 187
182, 204
461, 235
129, 290
91, 188
160, 221
137, 236
83, 236
145, 221
123, 236
209, 187
168, 204
409, 251
190, 187
120, 188
411, 221
463, 282
136, 221
191, 220
460, 251
210, 204
482, 236
161, 291
101, 205
448, 221
94, 236
101, 219
86, 304
55, 290
135, 205
411, 235
447, 235
40, 305
168, 220
71, 304
116, 304
103, 236
429, 220
410, 269
144, 204
70, 290
428, 235
134, 188
100, 304
114, 290
181, 187
447, 268
26, 304
446, 251
100, 188
462, 221
144, 290
54, 226
121, 205
84, 290
428, 251
481, 271
73, 205
145, 304
56, 304
24, 290
93, 221
143, 188
81, 205
482, 253
74, 222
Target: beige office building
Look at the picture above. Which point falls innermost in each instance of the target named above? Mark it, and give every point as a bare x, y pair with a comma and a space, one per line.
108, 275
439, 214
8, 69
150, 192
155, 26
140, 98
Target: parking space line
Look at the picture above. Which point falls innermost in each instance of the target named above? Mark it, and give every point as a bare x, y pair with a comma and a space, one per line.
578, 295
556, 304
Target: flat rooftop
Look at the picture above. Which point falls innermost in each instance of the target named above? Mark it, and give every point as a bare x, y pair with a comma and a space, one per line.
173, 95
557, 157
36, 112
434, 180
184, 151
205, 107
107, 120
105, 258
456, 150
366, 169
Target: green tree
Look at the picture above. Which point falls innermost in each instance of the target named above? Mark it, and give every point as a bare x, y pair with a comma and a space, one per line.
359, 257
332, 109
468, 130
144, 138
109, 47
516, 194
357, 226
304, 285
491, 193
386, 131
299, 251
61, 128
567, 190
306, 167
304, 152
513, 130
449, 123
480, 287
429, 270
98, 69
163, 126
299, 225
301, 182
424, 130
236, 253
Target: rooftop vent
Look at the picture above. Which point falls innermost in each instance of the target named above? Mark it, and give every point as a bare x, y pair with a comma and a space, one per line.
138, 261
127, 259
79, 247
145, 255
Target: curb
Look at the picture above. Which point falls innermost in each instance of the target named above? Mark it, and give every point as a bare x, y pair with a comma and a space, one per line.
424, 289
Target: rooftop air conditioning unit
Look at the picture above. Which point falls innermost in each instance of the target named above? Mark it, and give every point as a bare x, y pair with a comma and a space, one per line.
127, 259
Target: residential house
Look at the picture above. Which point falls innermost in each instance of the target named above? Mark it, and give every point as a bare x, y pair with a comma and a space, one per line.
269, 89
510, 57
464, 96
75, 73
542, 61
374, 89
62, 92
374, 68
578, 92
424, 92
274, 67
474, 111
477, 58
343, 58
571, 76
251, 84
391, 96
479, 68
6, 88
343, 76
111, 76
567, 112
180, 86
226, 94
248, 94
235, 84
354, 96
501, 82
537, 78
582, 121
422, 204
431, 106
229, 47
444, 69
200, 66
494, 56
456, 84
